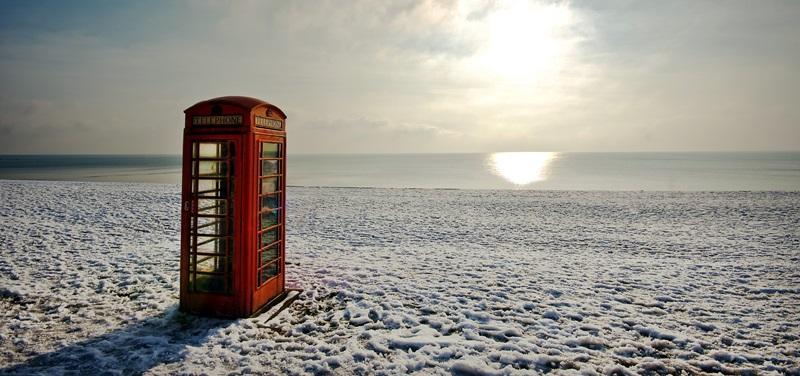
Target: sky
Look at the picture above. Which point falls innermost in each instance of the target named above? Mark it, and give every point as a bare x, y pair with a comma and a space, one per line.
113, 77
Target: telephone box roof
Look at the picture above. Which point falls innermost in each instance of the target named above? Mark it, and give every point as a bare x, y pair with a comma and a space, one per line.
247, 103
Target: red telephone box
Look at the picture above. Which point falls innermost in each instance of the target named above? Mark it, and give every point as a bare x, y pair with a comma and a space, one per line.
233, 217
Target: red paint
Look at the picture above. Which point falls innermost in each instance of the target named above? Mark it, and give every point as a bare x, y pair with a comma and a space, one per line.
220, 248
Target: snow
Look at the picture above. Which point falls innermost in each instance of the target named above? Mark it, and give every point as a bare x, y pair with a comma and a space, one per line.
408, 280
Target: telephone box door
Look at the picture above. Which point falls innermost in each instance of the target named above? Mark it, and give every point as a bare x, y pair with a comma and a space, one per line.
271, 234
210, 277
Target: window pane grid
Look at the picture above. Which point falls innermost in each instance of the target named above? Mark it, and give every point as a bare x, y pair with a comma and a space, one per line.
269, 219
271, 228
211, 225
269, 245
268, 264
268, 254
214, 223
209, 240
268, 271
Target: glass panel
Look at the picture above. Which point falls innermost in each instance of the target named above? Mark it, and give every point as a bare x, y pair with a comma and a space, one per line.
270, 166
269, 184
268, 272
211, 247
270, 150
211, 188
271, 201
209, 244
211, 264
212, 168
211, 207
210, 225
268, 255
209, 283
269, 237
269, 218
213, 149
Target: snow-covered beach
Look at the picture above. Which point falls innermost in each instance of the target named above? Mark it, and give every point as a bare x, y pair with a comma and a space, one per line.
410, 280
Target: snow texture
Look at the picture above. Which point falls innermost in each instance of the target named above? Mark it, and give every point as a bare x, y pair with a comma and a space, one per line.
413, 281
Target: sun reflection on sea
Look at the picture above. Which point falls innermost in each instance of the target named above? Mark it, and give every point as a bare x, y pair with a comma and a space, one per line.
521, 168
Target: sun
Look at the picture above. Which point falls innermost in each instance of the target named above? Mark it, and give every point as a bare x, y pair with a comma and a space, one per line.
525, 40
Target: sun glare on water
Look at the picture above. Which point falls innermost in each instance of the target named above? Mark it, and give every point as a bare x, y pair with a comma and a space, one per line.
521, 168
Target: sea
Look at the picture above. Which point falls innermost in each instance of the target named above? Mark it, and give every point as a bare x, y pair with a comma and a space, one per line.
663, 171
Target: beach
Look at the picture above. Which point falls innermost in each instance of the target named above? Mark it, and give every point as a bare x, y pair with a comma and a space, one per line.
463, 188
487, 282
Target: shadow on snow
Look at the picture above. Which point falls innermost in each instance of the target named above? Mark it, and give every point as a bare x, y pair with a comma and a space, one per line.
162, 339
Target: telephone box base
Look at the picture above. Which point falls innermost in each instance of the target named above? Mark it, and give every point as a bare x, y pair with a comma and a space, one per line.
278, 304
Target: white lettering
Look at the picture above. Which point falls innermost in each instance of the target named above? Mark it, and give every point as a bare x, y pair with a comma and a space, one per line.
263, 122
217, 120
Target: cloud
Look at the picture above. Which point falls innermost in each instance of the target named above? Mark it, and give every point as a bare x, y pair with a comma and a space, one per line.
364, 135
409, 76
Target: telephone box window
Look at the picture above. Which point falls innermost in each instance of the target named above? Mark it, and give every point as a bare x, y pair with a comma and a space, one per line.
269, 218
270, 150
267, 272
211, 220
270, 236
270, 201
269, 255
270, 167
270, 184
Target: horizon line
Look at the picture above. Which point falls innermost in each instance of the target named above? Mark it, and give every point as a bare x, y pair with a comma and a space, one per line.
428, 152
